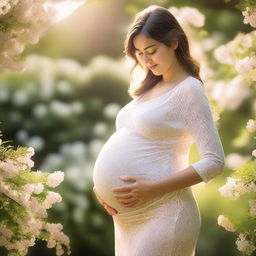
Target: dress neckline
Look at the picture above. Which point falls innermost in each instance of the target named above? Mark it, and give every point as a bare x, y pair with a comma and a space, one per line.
160, 96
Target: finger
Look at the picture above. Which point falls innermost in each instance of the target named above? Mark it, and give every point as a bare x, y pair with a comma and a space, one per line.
122, 189
129, 178
123, 196
126, 201
130, 204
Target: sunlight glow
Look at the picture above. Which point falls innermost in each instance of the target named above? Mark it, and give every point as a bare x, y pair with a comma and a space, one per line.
63, 9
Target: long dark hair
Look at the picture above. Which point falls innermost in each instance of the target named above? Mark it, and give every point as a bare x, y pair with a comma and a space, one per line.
158, 23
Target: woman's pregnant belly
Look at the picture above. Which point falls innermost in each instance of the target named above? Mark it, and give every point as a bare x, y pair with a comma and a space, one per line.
128, 153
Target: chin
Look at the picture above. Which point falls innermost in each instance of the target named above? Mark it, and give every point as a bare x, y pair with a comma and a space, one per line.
157, 73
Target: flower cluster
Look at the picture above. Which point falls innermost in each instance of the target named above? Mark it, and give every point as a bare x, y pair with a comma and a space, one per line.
246, 66
239, 55
250, 16
245, 242
224, 222
24, 199
24, 22
188, 15
6, 5
235, 187
251, 125
242, 182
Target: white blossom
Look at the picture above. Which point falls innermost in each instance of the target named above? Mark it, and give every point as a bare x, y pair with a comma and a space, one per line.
223, 54
111, 110
38, 209
53, 227
52, 198
26, 161
29, 188
247, 41
224, 222
100, 128
230, 94
249, 16
54, 179
244, 244
246, 65
6, 6
51, 243
31, 220
9, 168
251, 125
188, 15
40, 15
235, 160
233, 188
38, 189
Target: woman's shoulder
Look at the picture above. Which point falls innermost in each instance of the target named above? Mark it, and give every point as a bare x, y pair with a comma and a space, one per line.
192, 91
194, 84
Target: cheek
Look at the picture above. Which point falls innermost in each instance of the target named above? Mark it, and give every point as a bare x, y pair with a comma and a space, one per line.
164, 58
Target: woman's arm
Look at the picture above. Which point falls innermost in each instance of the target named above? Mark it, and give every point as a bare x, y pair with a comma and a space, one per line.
198, 120
177, 180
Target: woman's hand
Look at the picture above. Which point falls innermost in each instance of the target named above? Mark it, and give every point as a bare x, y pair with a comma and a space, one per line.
139, 192
108, 208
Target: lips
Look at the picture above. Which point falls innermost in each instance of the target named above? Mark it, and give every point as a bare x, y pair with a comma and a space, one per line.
152, 67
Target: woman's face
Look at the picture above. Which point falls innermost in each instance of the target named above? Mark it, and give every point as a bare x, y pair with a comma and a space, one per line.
154, 55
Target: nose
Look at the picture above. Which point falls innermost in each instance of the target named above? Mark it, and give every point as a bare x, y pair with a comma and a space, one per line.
146, 59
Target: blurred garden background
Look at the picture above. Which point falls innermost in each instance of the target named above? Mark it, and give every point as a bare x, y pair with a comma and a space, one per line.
76, 80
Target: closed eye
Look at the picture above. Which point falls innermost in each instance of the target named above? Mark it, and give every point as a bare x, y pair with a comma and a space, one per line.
151, 53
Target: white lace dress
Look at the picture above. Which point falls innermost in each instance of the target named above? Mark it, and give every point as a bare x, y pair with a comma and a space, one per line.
153, 140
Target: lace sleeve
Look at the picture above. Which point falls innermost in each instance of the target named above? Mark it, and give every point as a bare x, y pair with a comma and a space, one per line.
198, 120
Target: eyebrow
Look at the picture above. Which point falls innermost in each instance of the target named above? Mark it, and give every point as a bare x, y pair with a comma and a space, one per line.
146, 47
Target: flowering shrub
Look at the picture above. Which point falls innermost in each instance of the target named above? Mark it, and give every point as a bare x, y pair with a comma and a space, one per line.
243, 181
239, 54
24, 22
24, 198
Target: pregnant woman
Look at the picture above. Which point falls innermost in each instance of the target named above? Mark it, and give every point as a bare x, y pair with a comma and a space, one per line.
141, 175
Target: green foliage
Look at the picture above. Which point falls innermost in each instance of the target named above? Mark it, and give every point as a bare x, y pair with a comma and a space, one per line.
243, 4
26, 177
247, 172
11, 211
44, 235
4, 26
